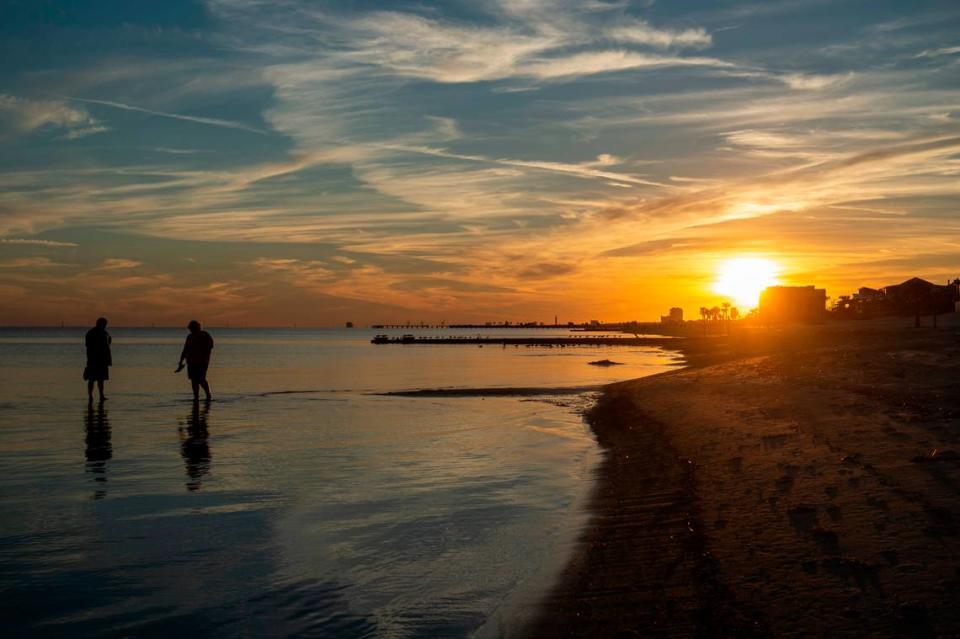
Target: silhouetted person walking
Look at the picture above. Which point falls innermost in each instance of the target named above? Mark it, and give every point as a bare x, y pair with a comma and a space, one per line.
99, 359
196, 352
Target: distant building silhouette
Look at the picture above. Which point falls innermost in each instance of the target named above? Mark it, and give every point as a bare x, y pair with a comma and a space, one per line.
674, 317
913, 297
917, 296
793, 304
867, 294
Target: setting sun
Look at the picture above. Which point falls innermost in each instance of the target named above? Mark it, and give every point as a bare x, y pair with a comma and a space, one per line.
743, 278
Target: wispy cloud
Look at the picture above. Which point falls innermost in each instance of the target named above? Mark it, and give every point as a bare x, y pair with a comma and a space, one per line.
302, 273
811, 81
174, 151
641, 32
535, 43
118, 264
229, 124
29, 263
936, 53
29, 242
595, 62
22, 115
584, 170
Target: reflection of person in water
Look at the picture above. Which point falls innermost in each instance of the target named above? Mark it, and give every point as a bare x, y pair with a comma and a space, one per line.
98, 447
99, 359
194, 446
196, 352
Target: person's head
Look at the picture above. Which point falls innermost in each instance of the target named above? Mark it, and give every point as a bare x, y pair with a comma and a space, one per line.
101, 322
193, 326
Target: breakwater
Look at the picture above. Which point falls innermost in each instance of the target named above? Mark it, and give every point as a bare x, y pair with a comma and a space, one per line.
579, 340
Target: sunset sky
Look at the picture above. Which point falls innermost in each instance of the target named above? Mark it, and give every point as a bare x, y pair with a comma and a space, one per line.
285, 162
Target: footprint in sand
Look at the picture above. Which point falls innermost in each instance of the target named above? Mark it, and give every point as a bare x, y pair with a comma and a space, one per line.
791, 470
850, 568
942, 523
893, 433
827, 540
803, 517
771, 442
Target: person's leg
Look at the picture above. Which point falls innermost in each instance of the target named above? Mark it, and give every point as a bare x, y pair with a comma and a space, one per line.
206, 387
90, 390
100, 388
196, 389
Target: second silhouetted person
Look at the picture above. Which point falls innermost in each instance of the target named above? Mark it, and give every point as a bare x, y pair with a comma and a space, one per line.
99, 359
196, 352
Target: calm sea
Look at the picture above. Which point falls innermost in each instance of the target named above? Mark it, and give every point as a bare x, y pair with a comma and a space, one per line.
299, 502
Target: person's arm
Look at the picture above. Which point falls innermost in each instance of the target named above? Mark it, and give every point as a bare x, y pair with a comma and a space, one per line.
183, 356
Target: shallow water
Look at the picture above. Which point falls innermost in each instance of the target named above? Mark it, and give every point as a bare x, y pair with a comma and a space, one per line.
330, 512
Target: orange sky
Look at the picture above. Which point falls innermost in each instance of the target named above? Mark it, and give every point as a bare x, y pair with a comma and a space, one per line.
509, 161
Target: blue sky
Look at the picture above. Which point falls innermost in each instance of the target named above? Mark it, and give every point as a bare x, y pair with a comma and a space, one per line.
313, 162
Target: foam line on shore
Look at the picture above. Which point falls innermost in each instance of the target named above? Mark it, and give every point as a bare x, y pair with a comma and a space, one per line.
642, 559
302, 392
491, 392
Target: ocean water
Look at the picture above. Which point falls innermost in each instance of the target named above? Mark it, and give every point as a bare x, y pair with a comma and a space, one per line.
300, 501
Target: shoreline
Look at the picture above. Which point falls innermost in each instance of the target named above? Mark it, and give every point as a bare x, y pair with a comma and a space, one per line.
493, 391
802, 481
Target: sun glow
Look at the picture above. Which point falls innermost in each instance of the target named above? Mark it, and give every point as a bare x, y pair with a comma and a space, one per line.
743, 278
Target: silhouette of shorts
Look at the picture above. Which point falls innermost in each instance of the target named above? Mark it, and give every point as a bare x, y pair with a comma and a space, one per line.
197, 372
96, 372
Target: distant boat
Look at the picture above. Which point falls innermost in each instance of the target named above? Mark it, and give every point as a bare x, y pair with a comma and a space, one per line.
380, 339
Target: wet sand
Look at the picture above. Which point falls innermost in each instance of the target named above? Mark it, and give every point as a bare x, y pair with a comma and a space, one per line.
531, 391
788, 483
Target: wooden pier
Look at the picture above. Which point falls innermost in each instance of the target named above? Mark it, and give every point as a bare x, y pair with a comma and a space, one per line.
577, 340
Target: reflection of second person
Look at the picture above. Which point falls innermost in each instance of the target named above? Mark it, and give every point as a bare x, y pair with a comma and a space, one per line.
195, 446
98, 447
196, 352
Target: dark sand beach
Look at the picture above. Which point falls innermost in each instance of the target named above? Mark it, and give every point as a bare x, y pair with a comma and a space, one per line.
787, 483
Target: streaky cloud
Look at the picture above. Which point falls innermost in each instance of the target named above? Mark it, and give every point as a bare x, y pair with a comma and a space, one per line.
596, 62
642, 32
24, 115
27, 242
229, 124
578, 170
